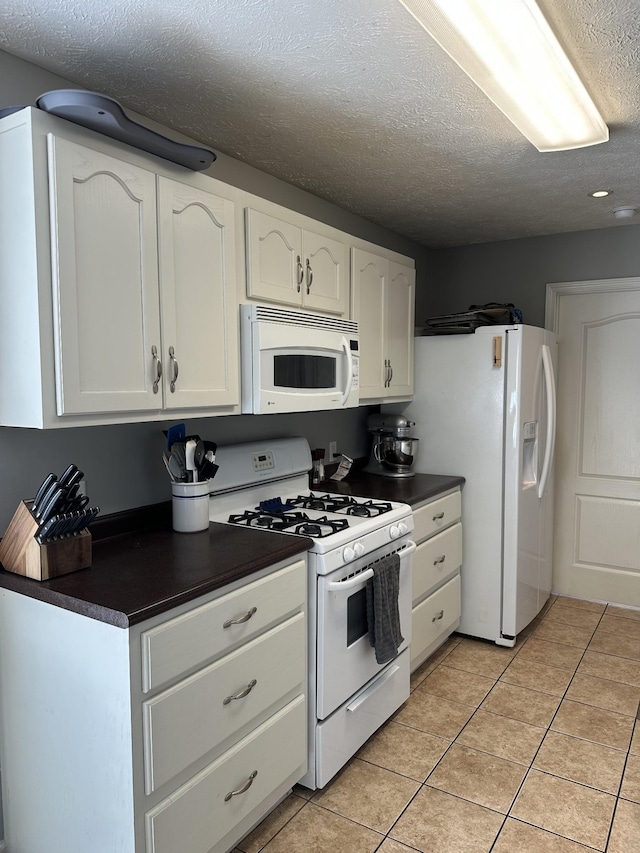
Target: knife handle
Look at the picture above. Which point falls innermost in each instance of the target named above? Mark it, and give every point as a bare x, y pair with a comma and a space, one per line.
42, 490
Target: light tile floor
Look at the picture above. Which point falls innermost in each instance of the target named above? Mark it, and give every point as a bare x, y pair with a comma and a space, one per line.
534, 749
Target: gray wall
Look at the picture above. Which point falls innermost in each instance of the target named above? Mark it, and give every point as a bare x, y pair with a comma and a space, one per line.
518, 270
122, 463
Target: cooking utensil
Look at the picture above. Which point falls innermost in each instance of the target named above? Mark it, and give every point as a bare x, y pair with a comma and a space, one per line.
189, 454
199, 458
174, 433
177, 465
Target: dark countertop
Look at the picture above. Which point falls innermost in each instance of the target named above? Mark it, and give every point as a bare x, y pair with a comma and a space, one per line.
410, 490
140, 574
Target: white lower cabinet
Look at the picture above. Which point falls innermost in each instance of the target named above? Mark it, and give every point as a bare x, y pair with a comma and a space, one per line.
175, 736
436, 575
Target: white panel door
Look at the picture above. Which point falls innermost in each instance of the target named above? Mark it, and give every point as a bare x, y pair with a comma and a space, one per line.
105, 281
597, 530
275, 270
400, 312
197, 290
326, 274
369, 281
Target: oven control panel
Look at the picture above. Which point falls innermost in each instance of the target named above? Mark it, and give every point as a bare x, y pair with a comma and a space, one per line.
263, 461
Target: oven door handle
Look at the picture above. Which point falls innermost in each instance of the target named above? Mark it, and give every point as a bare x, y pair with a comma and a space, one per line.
362, 577
356, 580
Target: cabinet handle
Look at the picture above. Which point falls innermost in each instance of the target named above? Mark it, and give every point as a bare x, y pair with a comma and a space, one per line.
157, 368
240, 619
242, 693
173, 361
390, 372
440, 560
300, 273
244, 788
386, 372
309, 277
438, 517
438, 617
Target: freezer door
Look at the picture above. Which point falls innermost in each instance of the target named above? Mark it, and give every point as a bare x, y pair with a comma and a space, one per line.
528, 470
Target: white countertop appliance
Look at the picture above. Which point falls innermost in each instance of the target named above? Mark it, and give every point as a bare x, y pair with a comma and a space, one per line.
297, 362
265, 485
484, 406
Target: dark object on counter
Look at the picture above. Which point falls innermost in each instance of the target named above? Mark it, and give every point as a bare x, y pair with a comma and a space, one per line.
105, 115
490, 314
383, 615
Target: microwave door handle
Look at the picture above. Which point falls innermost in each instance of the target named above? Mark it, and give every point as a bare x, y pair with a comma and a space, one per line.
349, 378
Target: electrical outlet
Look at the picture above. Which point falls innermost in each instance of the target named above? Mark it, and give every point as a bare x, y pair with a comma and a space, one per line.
333, 450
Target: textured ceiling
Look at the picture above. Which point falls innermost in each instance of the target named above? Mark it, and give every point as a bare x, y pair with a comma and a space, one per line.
352, 101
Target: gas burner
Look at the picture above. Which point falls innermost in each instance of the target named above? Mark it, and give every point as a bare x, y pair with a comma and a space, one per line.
318, 528
310, 502
366, 509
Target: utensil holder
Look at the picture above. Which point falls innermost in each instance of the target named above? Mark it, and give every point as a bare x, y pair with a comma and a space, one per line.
190, 505
20, 553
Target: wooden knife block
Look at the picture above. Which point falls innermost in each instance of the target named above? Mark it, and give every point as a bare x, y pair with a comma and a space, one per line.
20, 553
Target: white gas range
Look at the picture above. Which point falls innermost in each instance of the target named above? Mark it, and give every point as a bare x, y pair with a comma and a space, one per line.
265, 485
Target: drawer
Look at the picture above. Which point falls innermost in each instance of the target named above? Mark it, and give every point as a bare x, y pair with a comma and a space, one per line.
437, 515
179, 645
434, 619
196, 818
190, 719
435, 560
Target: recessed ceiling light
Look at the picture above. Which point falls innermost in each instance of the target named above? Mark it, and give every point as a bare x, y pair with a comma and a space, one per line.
600, 193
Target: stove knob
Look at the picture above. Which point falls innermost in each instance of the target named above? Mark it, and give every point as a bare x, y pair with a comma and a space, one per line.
348, 554
394, 531
402, 527
359, 549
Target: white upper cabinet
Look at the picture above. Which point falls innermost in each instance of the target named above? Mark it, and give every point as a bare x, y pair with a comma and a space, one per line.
383, 293
118, 282
295, 265
197, 297
105, 281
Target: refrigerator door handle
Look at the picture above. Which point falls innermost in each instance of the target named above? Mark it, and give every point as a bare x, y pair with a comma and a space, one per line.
550, 387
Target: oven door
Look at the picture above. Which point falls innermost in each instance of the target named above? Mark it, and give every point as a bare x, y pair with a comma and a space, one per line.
345, 659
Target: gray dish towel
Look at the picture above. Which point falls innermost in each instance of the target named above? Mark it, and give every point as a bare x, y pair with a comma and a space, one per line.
383, 615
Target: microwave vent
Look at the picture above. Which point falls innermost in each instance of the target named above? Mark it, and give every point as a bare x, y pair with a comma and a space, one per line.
267, 314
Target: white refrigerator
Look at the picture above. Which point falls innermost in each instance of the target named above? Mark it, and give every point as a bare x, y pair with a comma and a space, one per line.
484, 408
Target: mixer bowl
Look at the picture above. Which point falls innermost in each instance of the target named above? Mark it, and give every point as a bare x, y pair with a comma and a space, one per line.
397, 453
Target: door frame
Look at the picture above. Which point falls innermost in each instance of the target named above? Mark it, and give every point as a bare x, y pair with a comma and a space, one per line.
600, 285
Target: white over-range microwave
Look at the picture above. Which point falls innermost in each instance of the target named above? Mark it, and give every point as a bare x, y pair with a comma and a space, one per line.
297, 362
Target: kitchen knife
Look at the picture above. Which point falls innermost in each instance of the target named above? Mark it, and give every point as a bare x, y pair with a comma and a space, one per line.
71, 475
45, 530
46, 484
53, 503
44, 500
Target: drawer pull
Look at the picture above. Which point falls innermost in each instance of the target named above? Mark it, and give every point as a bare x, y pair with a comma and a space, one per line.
240, 619
244, 788
242, 693
438, 517
440, 560
438, 617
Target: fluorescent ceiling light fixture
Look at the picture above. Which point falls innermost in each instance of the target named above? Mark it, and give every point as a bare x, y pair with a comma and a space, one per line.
510, 52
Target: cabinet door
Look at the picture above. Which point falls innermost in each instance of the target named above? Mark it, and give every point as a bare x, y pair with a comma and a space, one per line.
105, 281
326, 274
275, 269
197, 293
400, 299
369, 281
